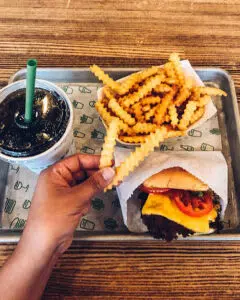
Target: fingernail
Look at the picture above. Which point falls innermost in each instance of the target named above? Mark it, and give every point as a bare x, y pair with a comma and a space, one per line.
108, 173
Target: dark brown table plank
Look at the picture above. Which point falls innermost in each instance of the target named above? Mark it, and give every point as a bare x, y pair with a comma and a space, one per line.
145, 270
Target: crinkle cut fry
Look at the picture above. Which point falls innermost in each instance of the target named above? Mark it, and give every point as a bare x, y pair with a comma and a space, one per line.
197, 115
150, 113
195, 95
186, 117
175, 133
107, 117
146, 108
172, 111
109, 144
144, 127
169, 70
150, 100
211, 91
137, 108
120, 112
174, 58
137, 139
170, 81
136, 157
101, 75
108, 93
167, 118
162, 88
142, 91
135, 78
128, 131
161, 109
182, 96
204, 100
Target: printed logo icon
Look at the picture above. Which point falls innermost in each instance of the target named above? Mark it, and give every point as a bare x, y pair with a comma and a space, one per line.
166, 148
9, 206
88, 150
195, 133
17, 223
187, 147
116, 203
19, 186
98, 204
215, 131
92, 103
84, 90
86, 224
13, 168
77, 104
206, 147
68, 90
86, 119
110, 224
78, 134
26, 204
96, 134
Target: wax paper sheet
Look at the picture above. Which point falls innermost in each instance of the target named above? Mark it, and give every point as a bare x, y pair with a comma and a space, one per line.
105, 214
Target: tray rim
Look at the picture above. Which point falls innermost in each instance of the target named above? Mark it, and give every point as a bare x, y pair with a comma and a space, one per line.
13, 236
9, 237
114, 69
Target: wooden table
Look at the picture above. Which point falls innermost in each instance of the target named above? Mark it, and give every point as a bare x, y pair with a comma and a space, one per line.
71, 33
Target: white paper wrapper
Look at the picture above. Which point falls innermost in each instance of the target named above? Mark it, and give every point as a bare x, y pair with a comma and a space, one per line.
210, 109
207, 166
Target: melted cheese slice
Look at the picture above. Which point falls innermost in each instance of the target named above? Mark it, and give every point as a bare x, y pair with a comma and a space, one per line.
162, 205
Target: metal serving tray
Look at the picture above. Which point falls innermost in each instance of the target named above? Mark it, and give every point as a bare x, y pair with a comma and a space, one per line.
230, 129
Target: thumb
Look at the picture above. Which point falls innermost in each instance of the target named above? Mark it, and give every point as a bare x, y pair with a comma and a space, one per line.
94, 184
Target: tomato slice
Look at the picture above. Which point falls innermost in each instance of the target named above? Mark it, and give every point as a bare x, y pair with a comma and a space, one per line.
150, 190
192, 205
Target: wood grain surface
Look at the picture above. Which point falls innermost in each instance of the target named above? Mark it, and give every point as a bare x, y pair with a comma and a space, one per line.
71, 33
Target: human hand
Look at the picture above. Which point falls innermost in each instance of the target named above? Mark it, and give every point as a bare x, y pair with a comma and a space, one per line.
59, 202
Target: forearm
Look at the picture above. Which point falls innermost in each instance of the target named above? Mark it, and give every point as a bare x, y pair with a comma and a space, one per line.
25, 274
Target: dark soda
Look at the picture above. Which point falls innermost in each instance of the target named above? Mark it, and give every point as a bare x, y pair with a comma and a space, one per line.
50, 119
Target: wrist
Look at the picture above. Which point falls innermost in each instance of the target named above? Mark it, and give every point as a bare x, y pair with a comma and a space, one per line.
37, 246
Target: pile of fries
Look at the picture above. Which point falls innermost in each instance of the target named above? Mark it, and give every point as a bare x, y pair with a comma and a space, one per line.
147, 108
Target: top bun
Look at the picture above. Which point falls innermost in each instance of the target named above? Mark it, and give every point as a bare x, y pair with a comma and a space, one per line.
175, 178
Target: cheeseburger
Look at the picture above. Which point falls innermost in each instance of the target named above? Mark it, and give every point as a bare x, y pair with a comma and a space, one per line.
174, 202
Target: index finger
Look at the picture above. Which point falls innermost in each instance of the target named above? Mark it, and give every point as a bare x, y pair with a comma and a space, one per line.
79, 162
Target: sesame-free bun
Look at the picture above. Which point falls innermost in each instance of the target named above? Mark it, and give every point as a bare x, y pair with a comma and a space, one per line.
175, 178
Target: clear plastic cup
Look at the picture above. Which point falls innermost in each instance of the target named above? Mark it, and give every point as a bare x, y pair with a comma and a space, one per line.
63, 147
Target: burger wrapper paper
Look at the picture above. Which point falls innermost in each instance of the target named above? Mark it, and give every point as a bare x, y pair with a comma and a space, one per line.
209, 167
210, 109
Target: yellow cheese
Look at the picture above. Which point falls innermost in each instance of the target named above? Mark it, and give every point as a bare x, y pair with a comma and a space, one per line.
162, 205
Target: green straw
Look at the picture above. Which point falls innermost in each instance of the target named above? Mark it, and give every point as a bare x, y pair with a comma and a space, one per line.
30, 88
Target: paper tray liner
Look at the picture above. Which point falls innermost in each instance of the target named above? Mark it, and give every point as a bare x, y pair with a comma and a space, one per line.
105, 214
